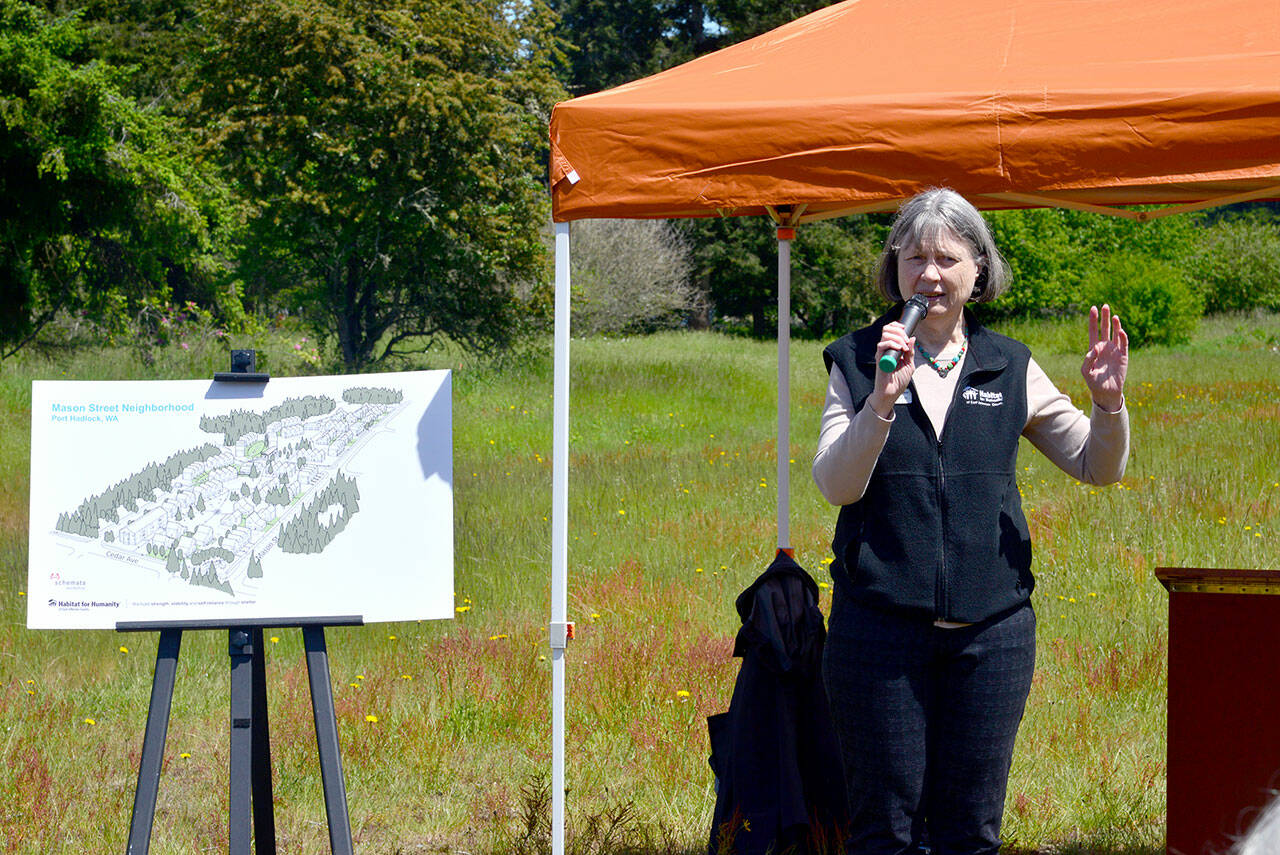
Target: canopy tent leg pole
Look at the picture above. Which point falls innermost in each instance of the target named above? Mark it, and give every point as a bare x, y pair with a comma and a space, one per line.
559, 627
785, 236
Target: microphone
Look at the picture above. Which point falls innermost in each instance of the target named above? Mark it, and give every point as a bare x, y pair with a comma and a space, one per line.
915, 309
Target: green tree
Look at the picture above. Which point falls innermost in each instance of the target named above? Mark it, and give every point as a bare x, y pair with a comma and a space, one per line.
613, 41
102, 203
736, 265
154, 38
617, 41
743, 19
394, 154
832, 266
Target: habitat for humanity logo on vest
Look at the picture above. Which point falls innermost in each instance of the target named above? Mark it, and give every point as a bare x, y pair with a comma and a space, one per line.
971, 395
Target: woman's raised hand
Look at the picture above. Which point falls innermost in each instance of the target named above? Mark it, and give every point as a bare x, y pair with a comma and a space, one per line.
1107, 362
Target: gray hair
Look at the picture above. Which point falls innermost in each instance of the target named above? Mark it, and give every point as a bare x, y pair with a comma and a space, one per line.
1264, 837
925, 217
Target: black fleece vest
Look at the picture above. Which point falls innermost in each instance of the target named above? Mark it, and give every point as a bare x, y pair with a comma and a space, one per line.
939, 533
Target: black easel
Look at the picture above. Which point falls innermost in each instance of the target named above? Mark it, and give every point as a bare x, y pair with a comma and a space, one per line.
250, 757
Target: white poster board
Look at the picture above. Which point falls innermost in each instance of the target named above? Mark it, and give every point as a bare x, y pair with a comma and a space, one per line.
196, 500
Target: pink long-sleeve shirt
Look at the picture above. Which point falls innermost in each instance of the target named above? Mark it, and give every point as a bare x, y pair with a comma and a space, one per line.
1093, 449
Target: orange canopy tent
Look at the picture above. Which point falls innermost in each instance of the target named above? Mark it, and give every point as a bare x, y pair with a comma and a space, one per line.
1013, 103
1086, 104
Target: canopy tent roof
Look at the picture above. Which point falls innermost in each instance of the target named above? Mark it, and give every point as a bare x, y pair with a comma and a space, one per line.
1013, 103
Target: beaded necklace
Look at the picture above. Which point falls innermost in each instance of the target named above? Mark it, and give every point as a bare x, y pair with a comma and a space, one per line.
944, 368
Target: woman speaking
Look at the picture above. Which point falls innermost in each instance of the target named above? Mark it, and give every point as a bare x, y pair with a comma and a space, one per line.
931, 638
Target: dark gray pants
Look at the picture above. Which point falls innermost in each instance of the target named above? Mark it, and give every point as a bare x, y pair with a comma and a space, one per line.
927, 719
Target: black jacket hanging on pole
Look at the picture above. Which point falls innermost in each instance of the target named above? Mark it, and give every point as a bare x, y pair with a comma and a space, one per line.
774, 753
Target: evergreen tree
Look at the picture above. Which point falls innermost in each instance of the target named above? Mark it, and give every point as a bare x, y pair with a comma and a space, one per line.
103, 202
356, 128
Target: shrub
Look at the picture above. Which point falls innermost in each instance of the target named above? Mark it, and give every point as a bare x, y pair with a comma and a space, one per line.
1236, 265
1052, 252
1044, 261
630, 276
1153, 299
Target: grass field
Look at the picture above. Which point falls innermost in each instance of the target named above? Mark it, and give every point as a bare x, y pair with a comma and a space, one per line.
444, 726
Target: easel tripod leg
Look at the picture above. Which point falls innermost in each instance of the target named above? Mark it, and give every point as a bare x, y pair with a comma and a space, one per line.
153, 740
264, 820
240, 649
335, 789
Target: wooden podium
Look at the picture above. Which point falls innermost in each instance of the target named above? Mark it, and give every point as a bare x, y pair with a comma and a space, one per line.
1224, 704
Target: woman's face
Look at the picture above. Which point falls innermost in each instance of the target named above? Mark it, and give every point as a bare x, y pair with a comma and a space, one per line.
943, 270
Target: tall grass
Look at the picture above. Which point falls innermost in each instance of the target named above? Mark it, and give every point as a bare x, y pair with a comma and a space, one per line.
671, 514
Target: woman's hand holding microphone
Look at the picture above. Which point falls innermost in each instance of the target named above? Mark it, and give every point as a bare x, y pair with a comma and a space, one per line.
895, 356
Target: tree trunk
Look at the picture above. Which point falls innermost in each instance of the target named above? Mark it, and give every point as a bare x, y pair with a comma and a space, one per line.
351, 334
759, 321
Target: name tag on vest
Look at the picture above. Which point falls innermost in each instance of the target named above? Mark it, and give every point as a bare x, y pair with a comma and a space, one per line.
906, 397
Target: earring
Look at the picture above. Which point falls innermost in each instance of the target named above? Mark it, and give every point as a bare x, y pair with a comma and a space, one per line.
979, 286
